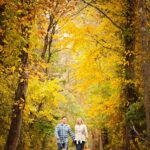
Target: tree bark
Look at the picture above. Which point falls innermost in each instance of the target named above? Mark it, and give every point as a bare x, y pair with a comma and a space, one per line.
43, 145
130, 90
46, 40
145, 60
2, 32
95, 139
50, 42
101, 141
2, 36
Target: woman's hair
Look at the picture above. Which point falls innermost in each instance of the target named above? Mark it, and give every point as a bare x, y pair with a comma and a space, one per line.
79, 119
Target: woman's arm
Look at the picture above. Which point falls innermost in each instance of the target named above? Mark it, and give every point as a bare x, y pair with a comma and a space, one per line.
86, 131
71, 133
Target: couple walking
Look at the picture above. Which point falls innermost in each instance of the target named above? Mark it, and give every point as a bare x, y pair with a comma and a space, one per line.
62, 131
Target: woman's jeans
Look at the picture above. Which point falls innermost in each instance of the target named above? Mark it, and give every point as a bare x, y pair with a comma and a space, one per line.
62, 145
80, 146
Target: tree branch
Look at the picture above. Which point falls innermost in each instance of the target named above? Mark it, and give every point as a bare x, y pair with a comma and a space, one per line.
104, 14
138, 134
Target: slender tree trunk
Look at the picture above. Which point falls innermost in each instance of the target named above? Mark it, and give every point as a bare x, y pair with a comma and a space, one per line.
50, 42
2, 36
46, 40
127, 138
145, 60
96, 139
101, 141
2, 32
49, 39
130, 91
105, 140
44, 142
50, 31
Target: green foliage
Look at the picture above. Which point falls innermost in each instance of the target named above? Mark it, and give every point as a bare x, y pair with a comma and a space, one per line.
136, 113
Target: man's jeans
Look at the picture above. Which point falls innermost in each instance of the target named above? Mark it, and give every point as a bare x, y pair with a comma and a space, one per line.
62, 145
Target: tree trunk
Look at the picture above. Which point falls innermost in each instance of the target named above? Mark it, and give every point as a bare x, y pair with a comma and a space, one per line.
127, 138
130, 91
145, 60
101, 141
2, 32
43, 146
46, 40
2, 36
105, 139
95, 139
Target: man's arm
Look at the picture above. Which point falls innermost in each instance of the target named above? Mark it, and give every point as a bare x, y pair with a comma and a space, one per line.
56, 131
71, 133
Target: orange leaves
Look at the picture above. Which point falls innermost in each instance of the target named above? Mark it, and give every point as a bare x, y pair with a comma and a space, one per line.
1, 2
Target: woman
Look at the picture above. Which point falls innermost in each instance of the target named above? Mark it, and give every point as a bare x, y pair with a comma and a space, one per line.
81, 134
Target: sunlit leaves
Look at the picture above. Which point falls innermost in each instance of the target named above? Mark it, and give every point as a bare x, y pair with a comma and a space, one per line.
43, 98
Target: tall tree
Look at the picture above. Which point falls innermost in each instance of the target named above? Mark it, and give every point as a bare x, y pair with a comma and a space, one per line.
20, 94
144, 35
129, 46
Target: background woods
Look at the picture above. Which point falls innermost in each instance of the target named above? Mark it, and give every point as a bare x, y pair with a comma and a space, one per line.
75, 58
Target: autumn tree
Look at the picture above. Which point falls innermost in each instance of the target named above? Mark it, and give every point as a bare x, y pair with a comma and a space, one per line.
74, 58
144, 36
23, 13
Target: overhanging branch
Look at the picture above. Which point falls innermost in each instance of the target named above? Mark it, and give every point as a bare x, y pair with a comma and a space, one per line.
104, 14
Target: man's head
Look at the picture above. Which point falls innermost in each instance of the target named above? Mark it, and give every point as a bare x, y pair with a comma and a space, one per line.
64, 120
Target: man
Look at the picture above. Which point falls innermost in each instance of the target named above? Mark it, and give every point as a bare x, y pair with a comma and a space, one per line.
62, 131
